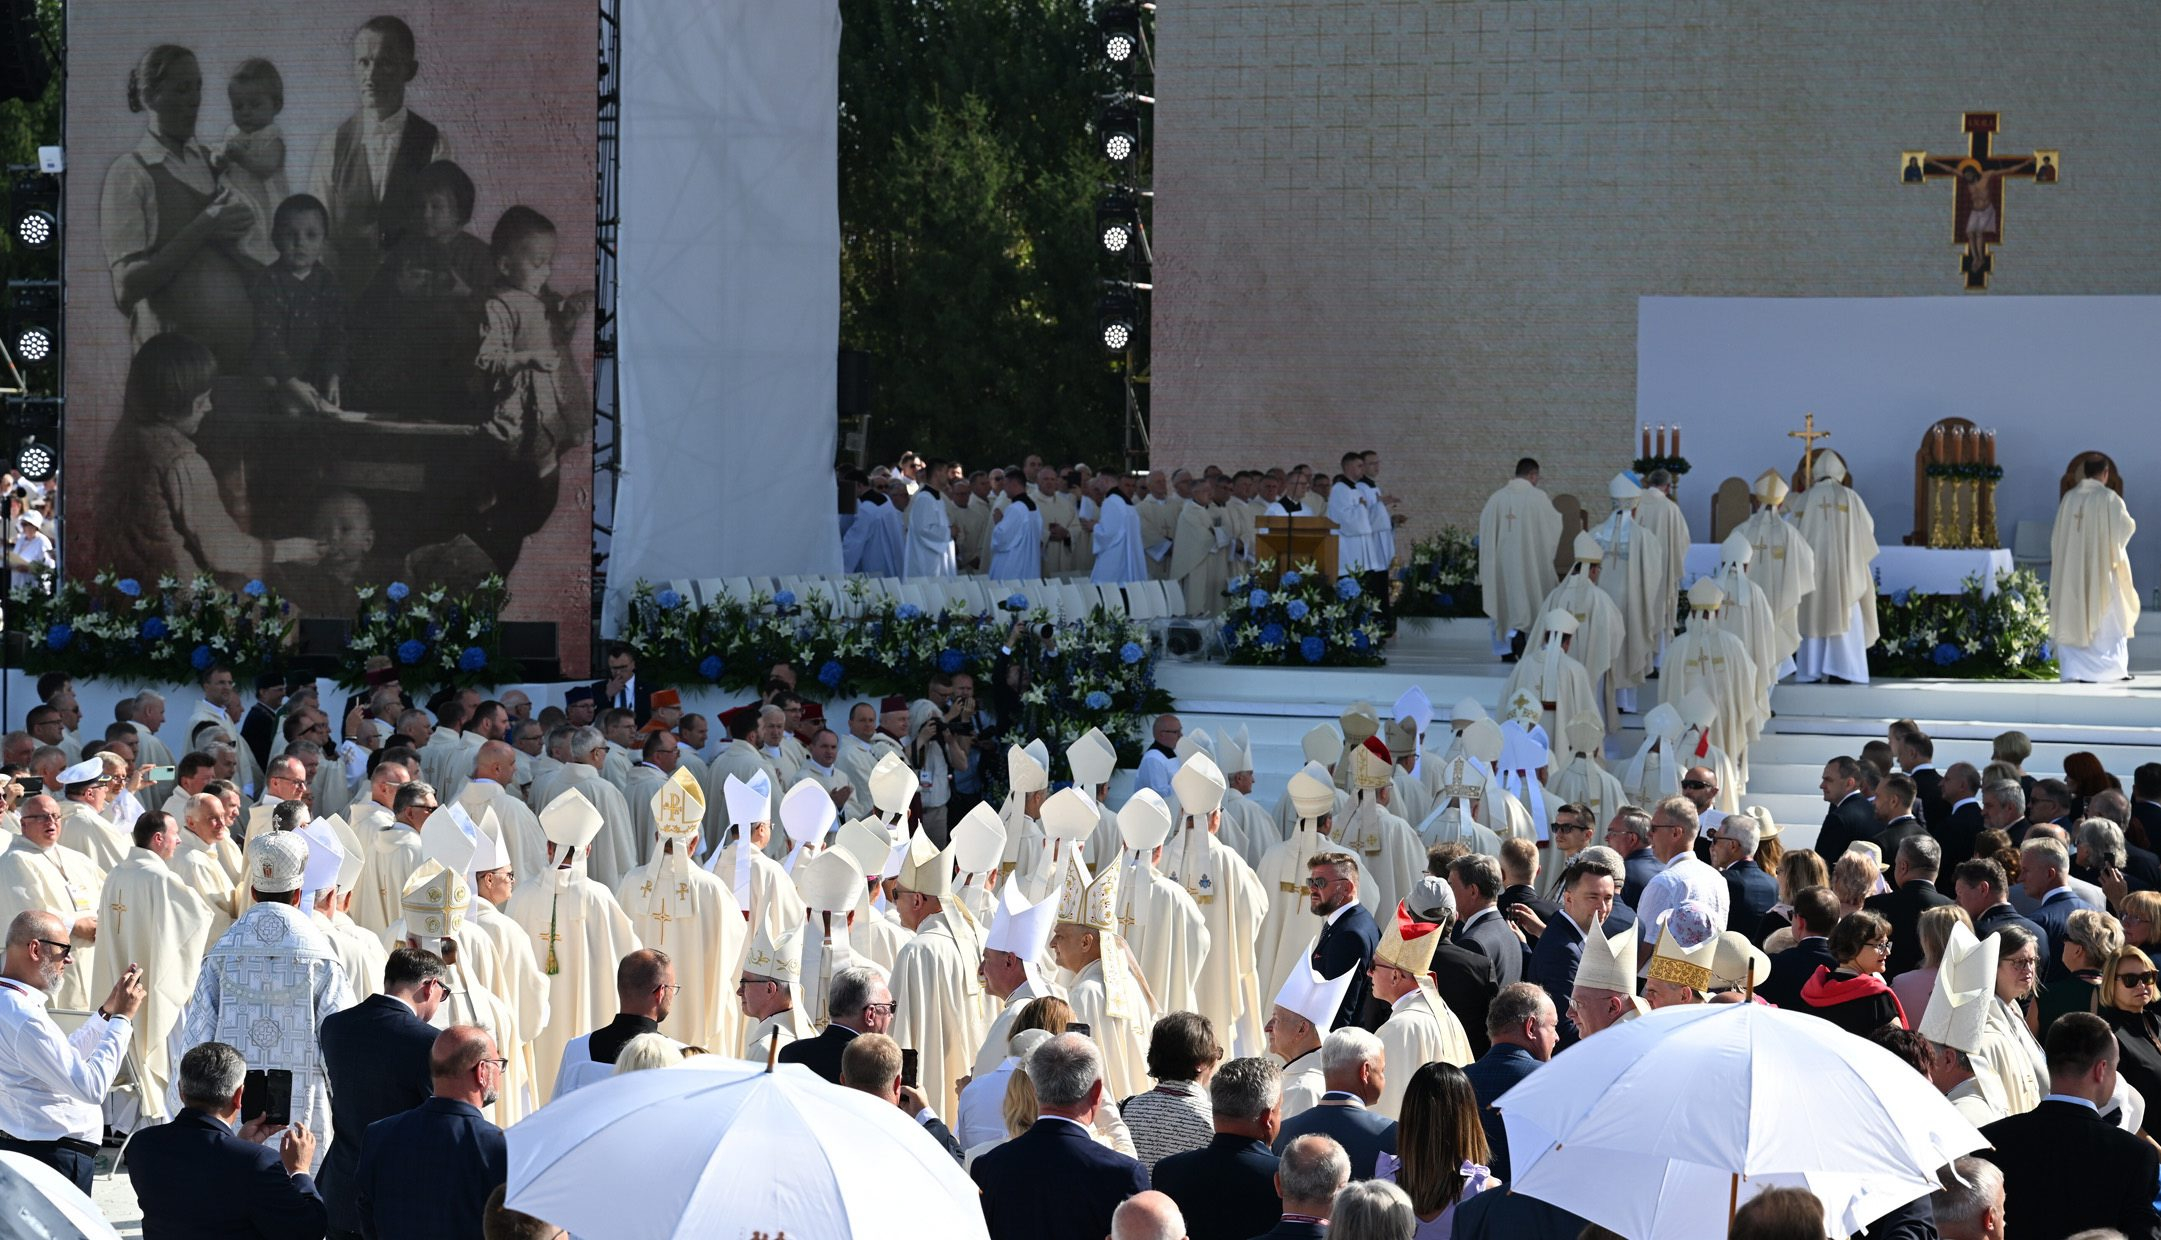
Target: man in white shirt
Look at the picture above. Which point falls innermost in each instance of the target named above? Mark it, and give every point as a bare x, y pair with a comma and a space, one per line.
53, 1086
1685, 877
366, 169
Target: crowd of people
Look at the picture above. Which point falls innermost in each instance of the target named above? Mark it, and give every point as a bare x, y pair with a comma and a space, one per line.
1196, 1014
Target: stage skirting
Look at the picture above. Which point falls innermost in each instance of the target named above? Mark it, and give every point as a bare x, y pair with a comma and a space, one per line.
1922, 570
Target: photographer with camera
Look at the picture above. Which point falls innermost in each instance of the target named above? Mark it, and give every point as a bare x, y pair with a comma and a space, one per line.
941, 736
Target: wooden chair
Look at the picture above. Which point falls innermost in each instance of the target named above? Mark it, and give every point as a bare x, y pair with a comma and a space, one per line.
1729, 509
2075, 471
1574, 520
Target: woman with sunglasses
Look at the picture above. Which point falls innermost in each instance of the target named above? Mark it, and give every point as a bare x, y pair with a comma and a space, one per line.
2141, 912
2128, 990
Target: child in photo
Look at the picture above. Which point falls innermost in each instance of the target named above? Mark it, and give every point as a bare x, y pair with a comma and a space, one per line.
464, 267
414, 328
252, 159
300, 338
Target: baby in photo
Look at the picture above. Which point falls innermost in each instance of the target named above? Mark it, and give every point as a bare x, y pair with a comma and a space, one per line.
252, 158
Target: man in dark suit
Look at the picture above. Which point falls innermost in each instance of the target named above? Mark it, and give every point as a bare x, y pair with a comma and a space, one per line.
1913, 877
1982, 890
1815, 912
1525, 1031
2003, 808
1629, 834
2044, 866
2065, 1170
1504, 1215
1519, 879
1475, 880
2146, 801
1917, 759
1963, 822
1894, 813
1354, 1085
1057, 1152
1226, 1188
376, 1054
1850, 818
1750, 892
856, 1003
1348, 935
2095, 850
872, 1064
194, 1177
1313, 1170
444, 1143
1586, 888
621, 689
259, 727
1463, 976
2051, 801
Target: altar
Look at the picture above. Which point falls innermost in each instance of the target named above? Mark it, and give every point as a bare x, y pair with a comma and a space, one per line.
1922, 570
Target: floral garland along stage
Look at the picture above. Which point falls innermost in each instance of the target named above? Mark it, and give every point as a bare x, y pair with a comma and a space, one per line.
1075, 674
1441, 577
1303, 620
1965, 636
432, 637
165, 633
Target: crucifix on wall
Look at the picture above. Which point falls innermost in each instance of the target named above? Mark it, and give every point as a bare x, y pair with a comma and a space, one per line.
1977, 177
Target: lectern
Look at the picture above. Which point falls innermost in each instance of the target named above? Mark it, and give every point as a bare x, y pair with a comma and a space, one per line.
1295, 540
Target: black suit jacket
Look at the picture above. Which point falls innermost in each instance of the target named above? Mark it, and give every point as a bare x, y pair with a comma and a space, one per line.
1497, 939
1464, 978
2065, 1171
1640, 867
444, 1144
258, 730
1750, 893
1903, 908
641, 695
944, 1137
1791, 969
1090, 1182
1849, 820
2148, 815
1494, 1074
2004, 915
1930, 805
1499, 1214
1226, 1189
1288, 1230
1547, 910
1364, 1134
195, 1178
1348, 944
1894, 833
1957, 833
822, 1053
376, 1054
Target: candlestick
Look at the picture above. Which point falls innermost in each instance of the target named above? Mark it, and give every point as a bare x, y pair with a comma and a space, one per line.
1935, 445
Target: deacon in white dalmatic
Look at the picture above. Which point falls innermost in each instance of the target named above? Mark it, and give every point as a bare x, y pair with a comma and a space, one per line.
2092, 603
1838, 618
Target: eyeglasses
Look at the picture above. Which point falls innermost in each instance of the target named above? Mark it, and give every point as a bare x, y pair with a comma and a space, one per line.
1881, 947
66, 950
886, 1008
501, 1062
670, 987
2023, 961
1694, 785
38, 817
2138, 979
1317, 883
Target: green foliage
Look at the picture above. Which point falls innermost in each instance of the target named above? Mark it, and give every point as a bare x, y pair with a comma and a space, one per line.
435, 639
149, 632
1964, 636
1302, 620
1441, 578
969, 268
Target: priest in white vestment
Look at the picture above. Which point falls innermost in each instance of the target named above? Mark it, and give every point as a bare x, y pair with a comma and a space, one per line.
434, 904
1159, 523
1322, 747
771, 990
762, 889
1389, 853
939, 1009
875, 541
147, 915
2092, 603
1582, 779
1015, 949
1016, 537
489, 791
520, 982
1162, 924
1231, 901
197, 862
1356, 549
39, 872
1064, 541
1305, 1008
691, 914
332, 855
614, 852
1780, 562
1662, 521
1119, 556
1026, 849
1518, 532
1634, 575
1287, 924
1245, 827
394, 852
1549, 678
1421, 1028
1838, 618
1106, 993
1708, 659
929, 550
1747, 615
578, 931
1200, 557
371, 816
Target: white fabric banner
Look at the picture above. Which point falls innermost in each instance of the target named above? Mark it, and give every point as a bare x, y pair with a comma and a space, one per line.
729, 290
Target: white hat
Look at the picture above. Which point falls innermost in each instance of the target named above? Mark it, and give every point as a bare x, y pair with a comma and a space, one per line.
892, 785
679, 805
1623, 487
1673, 961
1697, 709
1770, 488
1705, 595
925, 870
1466, 711
1415, 706
277, 861
450, 836
1092, 759
491, 854
1312, 996
434, 901
1234, 751
570, 821
1196, 741
356, 860
1027, 767
1738, 963
1588, 550
1199, 785
978, 840
749, 801
1584, 733
1018, 927
779, 958
1086, 902
866, 845
1145, 822
1482, 740
1523, 748
1608, 964
828, 883
1311, 792
1736, 549
1358, 721
1069, 815
33, 518
1663, 722
1965, 982
1559, 621
1430, 899
326, 856
1829, 467
807, 813
83, 772
1322, 745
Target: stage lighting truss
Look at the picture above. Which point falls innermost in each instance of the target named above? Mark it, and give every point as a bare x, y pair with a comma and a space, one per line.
33, 426
1118, 132
33, 332
1118, 320
34, 204
1125, 39
1119, 227
34, 344
37, 461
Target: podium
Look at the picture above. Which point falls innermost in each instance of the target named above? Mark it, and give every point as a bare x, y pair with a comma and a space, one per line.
1294, 540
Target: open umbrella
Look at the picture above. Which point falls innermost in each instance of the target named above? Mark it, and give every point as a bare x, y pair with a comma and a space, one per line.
723, 1149
1658, 1128
36, 1200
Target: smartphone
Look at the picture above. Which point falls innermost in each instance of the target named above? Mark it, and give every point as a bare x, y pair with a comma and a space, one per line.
160, 774
267, 1094
1080, 1027
908, 1063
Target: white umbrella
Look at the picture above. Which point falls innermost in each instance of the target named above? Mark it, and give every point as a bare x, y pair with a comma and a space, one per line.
36, 1200
1658, 1127
722, 1149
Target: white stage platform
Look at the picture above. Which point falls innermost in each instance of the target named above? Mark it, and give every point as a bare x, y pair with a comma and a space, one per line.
1452, 659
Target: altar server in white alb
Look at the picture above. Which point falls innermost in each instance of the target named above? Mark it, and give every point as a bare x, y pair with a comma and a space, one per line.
2092, 604
929, 549
1518, 532
1838, 619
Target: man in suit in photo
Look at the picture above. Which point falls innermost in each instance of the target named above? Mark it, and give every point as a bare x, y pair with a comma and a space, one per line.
195, 1177
1525, 1030
1475, 881
1057, 1152
376, 1054
857, 1002
1226, 1188
1313, 1170
1815, 912
444, 1143
1348, 935
1629, 834
1850, 817
1352, 1064
872, 1063
1913, 892
621, 689
2065, 1169
1750, 892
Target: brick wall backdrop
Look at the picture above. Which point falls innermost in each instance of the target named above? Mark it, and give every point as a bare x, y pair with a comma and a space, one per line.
1422, 226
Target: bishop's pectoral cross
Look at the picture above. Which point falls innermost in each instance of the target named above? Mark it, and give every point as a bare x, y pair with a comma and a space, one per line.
1977, 199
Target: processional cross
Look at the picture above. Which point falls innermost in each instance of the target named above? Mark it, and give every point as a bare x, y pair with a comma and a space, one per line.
1808, 435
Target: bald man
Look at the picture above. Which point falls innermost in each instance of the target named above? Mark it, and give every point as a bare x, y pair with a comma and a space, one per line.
444, 1143
492, 789
1150, 1215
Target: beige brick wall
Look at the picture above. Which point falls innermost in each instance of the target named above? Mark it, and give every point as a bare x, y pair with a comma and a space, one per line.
1422, 226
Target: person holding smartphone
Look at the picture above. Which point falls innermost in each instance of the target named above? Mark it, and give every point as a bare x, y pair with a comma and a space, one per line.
53, 1084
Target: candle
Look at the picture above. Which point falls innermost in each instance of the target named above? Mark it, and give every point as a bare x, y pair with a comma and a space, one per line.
1990, 441
1646, 439
1935, 445
1677, 439
1661, 439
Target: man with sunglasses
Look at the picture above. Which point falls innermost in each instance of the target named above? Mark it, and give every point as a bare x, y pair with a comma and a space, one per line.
377, 1055
52, 1086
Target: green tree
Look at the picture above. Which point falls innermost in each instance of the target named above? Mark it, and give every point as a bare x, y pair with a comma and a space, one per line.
969, 268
